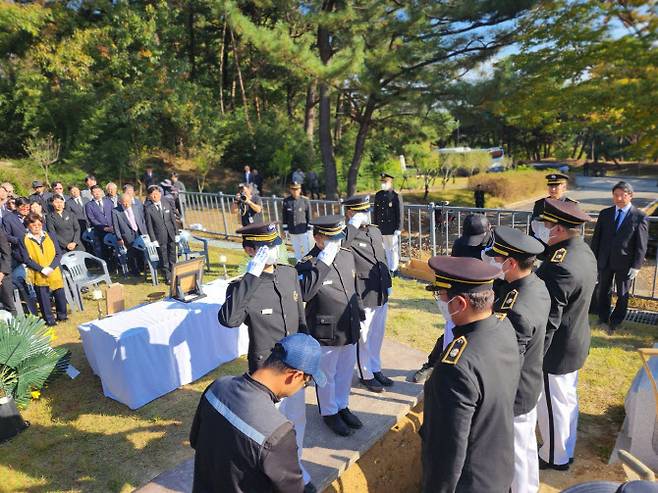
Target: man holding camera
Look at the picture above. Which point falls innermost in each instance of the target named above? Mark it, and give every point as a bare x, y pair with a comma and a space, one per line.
248, 205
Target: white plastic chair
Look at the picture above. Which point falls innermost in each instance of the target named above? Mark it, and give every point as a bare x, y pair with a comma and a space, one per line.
76, 264
150, 250
185, 251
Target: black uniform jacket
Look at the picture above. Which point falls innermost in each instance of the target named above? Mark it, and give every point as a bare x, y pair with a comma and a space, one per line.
373, 276
468, 434
270, 305
526, 304
461, 249
160, 224
389, 211
243, 443
64, 229
622, 249
333, 307
569, 272
296, 215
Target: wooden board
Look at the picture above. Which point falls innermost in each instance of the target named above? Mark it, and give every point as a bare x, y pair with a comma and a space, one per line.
115, 298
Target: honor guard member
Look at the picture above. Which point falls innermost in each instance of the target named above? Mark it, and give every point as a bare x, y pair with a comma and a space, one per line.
243, 443
556, 185
373, 281
389, 217
467, 435
569, 271
268, 301
333, 313
296, 219
522, 298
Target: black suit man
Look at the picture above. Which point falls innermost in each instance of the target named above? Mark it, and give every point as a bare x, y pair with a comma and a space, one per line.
99, 215
619, 244
161, 226
128, 225
76, 205
63, 226
6, 286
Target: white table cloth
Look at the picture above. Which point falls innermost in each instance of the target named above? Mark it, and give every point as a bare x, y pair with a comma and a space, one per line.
145, 352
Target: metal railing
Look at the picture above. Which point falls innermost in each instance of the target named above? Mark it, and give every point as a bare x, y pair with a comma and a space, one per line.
428, 230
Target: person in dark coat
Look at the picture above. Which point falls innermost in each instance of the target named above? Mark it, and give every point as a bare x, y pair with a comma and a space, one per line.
619, 244
373, 285
99, 215
296, 220
57, 188
90, 181
128, 226
243, 443
467, 433
248, 205
63, 226
389, 218
149, 178
138, 206
258, 181
569, 272
39, 195
268, 300
478, 196
160, 219
333, 315
76, 205
6, 284
522, 298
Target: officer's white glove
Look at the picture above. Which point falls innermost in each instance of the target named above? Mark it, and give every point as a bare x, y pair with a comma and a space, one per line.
329, 252
397, 232
257, 263
632, 273
46, 271
389, 290
359, 219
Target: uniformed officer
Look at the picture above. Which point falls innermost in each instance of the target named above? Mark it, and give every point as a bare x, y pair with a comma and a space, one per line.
523, 299
569, 272
296, 219
389, 217
467, 433
243, 443
556, 186
268, 300
373, 286
333, 313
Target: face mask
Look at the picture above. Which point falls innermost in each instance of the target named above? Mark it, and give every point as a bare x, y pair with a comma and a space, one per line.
273, 255
445, 310
386, 186
502, 270
541, 232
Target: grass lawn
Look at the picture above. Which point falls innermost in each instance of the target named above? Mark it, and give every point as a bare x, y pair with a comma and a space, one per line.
81, 441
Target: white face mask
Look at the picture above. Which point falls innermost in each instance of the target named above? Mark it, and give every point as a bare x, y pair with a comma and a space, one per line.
272, 255
445, 310
386, 185
501, 266
541, 232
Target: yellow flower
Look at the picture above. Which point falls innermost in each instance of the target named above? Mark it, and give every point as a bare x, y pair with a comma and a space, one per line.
51, 333
35, 394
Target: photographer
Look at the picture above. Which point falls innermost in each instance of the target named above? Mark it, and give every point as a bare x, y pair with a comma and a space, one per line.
248, 205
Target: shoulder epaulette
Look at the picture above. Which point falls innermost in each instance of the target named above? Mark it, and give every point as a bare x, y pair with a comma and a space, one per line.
509, 300
559, 256
454, 351
500, 315
567, 199
306, 259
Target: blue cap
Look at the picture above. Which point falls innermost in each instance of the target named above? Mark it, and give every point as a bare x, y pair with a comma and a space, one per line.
303, 353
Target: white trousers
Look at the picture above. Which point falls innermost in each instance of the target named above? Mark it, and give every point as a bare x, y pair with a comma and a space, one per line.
557, 416
526, 465
392, 249
370, 342
338, 365
294, 408
302, 244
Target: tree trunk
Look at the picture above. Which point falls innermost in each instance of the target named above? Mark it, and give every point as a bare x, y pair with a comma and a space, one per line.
359, 145
191, 46
221, 69
338, 126
241, 82
309, 110
326, 144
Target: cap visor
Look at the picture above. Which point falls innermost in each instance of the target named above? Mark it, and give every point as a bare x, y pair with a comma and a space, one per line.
475, 240
319, 378
275, 242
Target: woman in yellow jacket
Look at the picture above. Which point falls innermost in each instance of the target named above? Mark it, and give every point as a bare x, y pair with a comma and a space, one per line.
41, 256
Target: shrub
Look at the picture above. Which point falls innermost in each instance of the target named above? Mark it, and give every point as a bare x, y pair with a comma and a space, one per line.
510, 186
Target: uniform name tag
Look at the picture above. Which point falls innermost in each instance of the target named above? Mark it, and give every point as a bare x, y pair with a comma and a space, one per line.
363, 245
266, 311
325, 283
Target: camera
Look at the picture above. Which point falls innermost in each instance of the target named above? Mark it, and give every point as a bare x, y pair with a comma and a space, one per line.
241, 197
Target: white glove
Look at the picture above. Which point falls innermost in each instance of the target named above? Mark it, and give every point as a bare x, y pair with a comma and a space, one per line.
329, 252
359, 219
389, 290
397, 232
46, 271
632, 273
273, 255
257, 264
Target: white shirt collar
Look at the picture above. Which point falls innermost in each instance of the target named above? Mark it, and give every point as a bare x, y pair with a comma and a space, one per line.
37, 239
625, 209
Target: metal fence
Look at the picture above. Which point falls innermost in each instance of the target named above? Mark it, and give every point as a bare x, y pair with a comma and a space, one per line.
428, 229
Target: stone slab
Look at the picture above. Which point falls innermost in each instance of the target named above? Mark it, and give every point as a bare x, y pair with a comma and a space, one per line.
327, 455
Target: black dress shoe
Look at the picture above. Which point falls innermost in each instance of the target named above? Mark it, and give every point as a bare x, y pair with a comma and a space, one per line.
383, 379
310, 488
350, 419
372, 385
546, 465
51, 323
423, 374
337, 425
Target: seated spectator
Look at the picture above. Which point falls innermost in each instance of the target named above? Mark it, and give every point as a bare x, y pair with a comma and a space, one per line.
112, 193
63, 226
128, 225
42, 255
99, 215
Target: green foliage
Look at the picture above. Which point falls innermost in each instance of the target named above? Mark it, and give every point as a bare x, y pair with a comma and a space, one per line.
27, 360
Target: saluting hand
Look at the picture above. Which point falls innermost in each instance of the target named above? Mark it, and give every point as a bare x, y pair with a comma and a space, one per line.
329, 252
257, 263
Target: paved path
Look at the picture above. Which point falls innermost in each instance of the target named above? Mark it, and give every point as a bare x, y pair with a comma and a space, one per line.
595, 193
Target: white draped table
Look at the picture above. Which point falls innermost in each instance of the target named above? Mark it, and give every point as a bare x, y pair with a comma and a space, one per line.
145, 352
